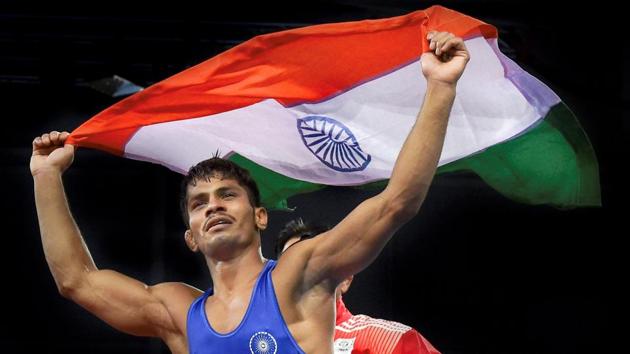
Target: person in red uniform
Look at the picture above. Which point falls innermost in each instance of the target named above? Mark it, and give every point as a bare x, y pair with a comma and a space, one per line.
357, 334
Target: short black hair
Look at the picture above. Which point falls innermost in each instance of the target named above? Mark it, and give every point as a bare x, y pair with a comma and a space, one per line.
298, 228
217, 167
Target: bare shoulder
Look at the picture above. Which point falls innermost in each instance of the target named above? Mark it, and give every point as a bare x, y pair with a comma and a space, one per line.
305, 304
294, 260
176, 299
175, 295
298, 270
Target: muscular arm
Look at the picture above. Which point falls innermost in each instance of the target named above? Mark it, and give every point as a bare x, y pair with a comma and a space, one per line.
124, 303
356, 241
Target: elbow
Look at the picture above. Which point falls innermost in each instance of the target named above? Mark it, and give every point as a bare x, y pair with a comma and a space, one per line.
66, 290
68, 287
70, 279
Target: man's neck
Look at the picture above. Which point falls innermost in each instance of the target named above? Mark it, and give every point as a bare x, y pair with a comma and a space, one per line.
234, 274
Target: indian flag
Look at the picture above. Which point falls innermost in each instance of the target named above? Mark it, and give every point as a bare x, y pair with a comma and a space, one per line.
332, 105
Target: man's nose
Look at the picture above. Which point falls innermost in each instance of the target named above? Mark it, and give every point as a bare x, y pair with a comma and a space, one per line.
214, 205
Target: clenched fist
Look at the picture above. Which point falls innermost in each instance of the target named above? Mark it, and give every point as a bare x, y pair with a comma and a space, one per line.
50, 154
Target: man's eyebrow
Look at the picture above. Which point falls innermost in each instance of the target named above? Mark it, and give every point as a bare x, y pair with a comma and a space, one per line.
197, 196
225, 189
216, 191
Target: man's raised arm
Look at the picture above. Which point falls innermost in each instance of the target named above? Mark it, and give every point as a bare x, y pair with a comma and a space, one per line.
125, 303
356, 241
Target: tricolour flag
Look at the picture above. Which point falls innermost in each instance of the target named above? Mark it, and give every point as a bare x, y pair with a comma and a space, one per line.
332, 105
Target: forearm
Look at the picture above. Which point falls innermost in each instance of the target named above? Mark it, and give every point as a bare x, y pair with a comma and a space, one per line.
66, 253
419, 156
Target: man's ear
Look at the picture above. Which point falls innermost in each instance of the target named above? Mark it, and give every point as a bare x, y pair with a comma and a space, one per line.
190, 241
260, 214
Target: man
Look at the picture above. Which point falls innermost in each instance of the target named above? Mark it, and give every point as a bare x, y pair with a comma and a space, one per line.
255, 305
359, 334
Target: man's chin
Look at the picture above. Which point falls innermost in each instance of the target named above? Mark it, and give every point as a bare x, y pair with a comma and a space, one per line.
220, 246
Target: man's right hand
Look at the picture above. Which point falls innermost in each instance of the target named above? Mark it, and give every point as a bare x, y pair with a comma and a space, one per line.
50, 154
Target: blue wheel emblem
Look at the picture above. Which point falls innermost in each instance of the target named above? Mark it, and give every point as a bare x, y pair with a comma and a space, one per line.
332, 143
263, 343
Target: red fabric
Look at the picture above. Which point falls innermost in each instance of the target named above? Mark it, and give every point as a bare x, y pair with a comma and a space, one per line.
414, 342
343, 314
365, 335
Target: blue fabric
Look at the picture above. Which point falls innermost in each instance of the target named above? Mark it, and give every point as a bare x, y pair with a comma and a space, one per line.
262, 330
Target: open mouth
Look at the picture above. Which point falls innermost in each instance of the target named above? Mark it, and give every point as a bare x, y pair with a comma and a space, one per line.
216, 223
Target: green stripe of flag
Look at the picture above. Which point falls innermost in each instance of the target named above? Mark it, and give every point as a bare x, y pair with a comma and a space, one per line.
552, 163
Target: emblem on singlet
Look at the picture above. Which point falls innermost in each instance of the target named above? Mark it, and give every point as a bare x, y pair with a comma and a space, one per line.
263, 343
332, 143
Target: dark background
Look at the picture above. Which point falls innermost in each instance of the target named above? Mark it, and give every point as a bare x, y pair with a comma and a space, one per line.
474, 272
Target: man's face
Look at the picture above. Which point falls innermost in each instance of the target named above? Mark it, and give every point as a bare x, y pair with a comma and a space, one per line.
221, 217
